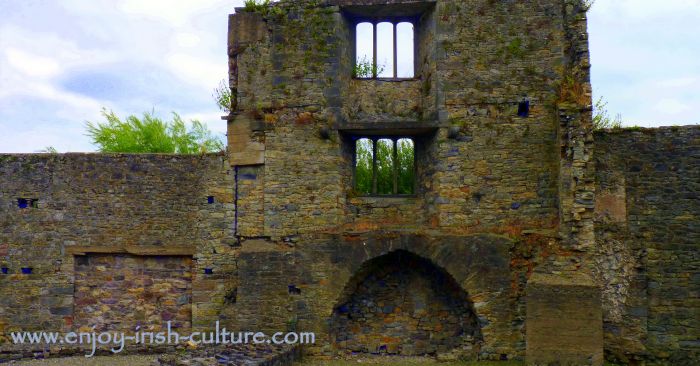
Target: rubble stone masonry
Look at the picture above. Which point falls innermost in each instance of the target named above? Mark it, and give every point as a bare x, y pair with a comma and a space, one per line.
525, 231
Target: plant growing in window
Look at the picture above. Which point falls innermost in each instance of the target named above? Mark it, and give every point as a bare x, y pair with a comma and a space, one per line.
384, 49
366, 69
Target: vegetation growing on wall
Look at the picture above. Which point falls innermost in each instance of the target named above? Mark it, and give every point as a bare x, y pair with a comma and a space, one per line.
256, 5
572, 91
224, 97
365, 69
266, 8
587, 4
601, 119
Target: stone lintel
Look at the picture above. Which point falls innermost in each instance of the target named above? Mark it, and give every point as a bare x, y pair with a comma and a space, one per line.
145, 250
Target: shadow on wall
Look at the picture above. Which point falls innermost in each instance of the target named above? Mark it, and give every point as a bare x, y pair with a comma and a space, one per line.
400, 303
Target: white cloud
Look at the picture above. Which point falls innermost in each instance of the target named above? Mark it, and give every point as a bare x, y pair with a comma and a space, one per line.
36, 137
30, 62
31, 65
212, 120
671, 106
186, 40
639, 10
67, 44
646, 59
681, 82
174, 12
202, 72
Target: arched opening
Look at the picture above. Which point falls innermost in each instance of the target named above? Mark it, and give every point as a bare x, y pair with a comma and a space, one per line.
403, 304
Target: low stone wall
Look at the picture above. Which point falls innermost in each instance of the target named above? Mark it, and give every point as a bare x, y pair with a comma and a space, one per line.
648, 252
64, 217
107, 239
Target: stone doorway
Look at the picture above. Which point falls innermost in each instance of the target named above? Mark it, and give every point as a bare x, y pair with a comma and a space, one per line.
403, 304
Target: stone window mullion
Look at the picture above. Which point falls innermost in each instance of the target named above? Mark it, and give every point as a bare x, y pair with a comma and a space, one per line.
395, 153
396, 67
374, 50
374, 166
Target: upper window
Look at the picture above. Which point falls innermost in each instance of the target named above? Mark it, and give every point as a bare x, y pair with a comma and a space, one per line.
384, 50
385, 166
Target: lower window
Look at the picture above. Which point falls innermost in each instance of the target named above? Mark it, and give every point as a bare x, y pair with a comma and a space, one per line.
385, 166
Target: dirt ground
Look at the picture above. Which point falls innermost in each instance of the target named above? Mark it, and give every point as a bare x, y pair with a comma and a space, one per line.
93, 361
399, 361
147, 360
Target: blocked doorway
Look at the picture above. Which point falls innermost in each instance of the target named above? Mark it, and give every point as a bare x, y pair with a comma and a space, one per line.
123, 291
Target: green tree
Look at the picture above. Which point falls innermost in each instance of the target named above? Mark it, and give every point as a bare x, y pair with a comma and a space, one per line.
601, 119
385, 166
151, 135
406, 154
363, 168
389, 163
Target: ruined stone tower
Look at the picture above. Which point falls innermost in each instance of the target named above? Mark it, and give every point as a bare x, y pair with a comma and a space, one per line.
403, 177
495, 99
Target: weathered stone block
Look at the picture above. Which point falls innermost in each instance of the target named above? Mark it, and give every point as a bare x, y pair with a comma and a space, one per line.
244, 28
243, 148
564, 320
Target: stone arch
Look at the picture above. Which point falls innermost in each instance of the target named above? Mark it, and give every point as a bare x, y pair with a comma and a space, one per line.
403, 303
479, 264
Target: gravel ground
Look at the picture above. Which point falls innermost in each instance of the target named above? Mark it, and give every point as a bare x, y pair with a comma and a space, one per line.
147, 360
400, 361
93, 361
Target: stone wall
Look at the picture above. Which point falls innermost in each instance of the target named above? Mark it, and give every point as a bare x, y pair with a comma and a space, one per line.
568, 307
474, 80
116, 292
647, 214
482, 170
300, 284
130, 209
402, 304
279, 238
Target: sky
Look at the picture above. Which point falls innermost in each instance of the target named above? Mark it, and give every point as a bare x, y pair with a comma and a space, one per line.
62, 61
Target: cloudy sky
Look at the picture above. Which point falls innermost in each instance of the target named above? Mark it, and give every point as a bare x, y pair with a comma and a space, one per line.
62, 61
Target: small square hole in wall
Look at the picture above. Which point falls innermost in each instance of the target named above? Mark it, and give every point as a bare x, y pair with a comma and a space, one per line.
524, 108
27, 203
231, 296
210, 200
82, 260
294, 290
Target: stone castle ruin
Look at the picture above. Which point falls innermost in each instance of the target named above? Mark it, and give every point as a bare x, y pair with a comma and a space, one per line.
454, 201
